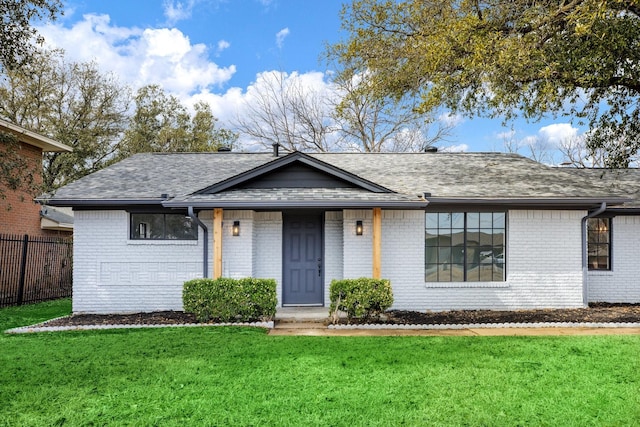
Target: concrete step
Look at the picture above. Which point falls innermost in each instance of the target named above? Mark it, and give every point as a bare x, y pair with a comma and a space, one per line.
302, 314
280, 324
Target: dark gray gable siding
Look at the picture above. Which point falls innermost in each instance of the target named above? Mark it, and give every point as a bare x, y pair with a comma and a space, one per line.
296, 175
316, 174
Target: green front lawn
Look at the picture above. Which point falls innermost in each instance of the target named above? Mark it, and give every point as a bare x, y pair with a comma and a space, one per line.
242, 376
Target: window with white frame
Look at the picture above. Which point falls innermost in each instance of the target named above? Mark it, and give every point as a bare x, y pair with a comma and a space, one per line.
162, 226
599, 243
465, 246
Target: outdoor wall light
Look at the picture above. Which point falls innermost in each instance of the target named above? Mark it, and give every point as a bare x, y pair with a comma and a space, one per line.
358, 228
235, 230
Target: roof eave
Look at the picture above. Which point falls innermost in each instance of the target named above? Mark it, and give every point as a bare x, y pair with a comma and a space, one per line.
550, 202
35, 139
324, 204
632, 210
103, 202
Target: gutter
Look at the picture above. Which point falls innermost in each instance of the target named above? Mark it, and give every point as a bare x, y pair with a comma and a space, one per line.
277, 204
98, 202
557, 202
205, 250
583, 228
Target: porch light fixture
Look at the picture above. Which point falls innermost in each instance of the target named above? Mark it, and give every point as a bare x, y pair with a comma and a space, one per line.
358, 228
235, 230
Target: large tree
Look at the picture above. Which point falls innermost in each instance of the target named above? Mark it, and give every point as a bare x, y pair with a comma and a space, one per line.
282, 109
73, 103
371, 124
18, 37
161, 123
507, 58
339, 114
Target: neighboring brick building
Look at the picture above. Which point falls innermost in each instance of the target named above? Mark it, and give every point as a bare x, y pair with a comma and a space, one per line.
19, 213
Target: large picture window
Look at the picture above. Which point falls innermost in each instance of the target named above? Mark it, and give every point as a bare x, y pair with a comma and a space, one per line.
162, 226
465, 246
599, 243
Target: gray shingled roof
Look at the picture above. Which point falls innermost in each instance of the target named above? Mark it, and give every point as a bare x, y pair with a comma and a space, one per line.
56, 215
145, 177
284, 197
625, 181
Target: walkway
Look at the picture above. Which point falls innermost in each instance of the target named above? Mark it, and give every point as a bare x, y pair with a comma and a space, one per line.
313, 321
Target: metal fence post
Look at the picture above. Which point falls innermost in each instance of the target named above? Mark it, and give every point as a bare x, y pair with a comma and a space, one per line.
23, 268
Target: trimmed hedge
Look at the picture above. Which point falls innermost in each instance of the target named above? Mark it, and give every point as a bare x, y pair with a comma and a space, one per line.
230, 300
361, 297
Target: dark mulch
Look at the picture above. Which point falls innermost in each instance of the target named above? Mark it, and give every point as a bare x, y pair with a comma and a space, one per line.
598, 312
155, 318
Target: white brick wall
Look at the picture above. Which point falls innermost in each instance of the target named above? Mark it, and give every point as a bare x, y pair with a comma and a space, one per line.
267, 253
113, 274
544, 263
358, 259
237, 251
333, 250
622, 283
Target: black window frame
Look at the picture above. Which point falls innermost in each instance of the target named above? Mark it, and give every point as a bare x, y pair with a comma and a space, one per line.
461, 251
595, 239
165, 236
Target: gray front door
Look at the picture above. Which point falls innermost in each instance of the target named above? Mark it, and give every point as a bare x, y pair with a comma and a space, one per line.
302, 259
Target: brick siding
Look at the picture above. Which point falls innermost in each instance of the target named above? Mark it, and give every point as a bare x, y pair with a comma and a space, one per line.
19, 214
622, 283
543, 261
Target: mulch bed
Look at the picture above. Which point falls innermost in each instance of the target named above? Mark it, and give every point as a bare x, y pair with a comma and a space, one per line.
596, 313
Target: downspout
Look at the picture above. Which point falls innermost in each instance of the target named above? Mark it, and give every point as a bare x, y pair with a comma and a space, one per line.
585, 277
205, 254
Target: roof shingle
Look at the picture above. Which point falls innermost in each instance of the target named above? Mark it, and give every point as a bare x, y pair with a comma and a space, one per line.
410, 175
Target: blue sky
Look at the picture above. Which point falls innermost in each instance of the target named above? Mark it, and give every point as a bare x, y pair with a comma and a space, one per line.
217, 50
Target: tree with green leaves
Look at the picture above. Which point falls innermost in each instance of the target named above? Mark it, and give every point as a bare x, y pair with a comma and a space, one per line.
161, 123
507, 58
15, 171
18, 37
73, 103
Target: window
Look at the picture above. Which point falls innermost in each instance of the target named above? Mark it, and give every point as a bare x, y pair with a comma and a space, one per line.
599, 243
465, 246
162, 226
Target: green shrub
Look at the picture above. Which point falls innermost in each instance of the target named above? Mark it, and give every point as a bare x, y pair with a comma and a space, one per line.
361, 297
230, 300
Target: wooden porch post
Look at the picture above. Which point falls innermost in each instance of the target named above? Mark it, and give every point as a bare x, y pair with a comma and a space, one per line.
377, 241
217, 243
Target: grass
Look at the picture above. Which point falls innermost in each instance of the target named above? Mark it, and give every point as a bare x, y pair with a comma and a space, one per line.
242, 376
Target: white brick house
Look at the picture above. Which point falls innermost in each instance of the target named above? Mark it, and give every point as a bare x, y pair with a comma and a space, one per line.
450, 230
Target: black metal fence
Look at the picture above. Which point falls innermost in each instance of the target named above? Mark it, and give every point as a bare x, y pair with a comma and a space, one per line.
34, 269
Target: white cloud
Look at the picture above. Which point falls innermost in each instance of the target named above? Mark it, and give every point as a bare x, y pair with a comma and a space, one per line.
558, 132
222, 45
227, 107
176, 11
455, 148
167, 57
506, 135
449, 119
163, 56
280, 36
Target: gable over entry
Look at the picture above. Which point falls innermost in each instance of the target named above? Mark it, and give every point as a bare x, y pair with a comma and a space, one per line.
296, 182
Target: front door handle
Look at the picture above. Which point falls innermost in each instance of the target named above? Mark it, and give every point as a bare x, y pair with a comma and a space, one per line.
319, 267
